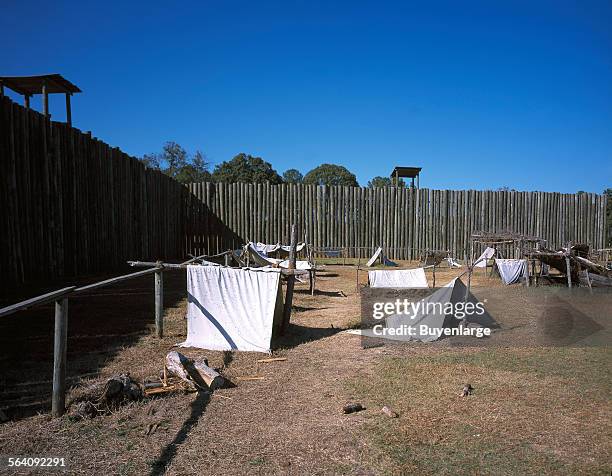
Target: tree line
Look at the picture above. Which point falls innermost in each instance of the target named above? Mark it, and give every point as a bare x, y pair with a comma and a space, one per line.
176, 162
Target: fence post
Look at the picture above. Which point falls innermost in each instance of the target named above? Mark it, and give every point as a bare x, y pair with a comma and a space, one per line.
58, 399
290, 282
569, 271
159, 303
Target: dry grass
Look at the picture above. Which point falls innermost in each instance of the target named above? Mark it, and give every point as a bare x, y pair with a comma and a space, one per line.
535, 410
528, 415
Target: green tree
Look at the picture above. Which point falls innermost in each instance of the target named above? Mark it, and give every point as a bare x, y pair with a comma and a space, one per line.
384, 182
195, 171
151, 161
330, 174
293, 176
174, 161
246, 168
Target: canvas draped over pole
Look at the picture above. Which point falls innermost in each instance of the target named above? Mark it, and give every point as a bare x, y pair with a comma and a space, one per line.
401, 278
488, 253
512, 270
232, 309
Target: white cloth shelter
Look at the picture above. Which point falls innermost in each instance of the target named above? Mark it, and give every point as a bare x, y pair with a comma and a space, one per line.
374, 257
232, 309
287, 248
260, 258
452, 263
512, 270
265, 249
378, 254
488, 253
399, 278
263, 260
298, 264
437, 311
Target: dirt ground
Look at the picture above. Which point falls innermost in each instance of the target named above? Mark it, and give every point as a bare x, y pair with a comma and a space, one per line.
534, 410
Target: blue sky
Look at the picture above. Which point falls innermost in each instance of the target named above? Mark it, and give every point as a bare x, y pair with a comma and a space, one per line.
480, 94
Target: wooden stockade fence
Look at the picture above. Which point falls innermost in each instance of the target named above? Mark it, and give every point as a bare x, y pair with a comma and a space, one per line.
405, 222
72, 205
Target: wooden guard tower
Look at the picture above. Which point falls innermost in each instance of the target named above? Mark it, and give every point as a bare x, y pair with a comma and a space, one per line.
45, 84
406, 172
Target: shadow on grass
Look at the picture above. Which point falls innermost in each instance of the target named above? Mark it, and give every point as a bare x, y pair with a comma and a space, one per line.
326, 274
169, 452
100, 324
319, 292
307, 308
297, 335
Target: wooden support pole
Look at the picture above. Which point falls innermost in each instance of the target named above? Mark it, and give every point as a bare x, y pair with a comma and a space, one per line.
26, 101
58, 399
68, 110
569, 271
434, 273
159, 303
45, 95
227, 259
1, 89
290, 282
469, 283
588, 279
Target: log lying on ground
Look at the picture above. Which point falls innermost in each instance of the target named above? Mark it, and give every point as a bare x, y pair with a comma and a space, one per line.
195, 373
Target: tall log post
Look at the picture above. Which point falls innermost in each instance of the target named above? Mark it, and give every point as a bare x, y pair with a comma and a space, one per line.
58, 399
159, 303
68, 110
45, 98
434, 273
290, 282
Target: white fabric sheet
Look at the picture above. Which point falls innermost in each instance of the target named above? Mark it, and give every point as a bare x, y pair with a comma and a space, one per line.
374, 257
512, 270
298, 264
400, 278
260, 258
452, 263
265, 249
298, 247
231, 309
488, 253
431, 313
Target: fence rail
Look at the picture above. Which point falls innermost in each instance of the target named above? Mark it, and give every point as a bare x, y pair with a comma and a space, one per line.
403, 221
